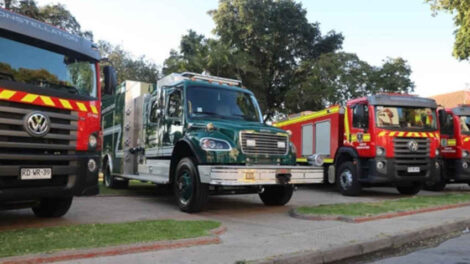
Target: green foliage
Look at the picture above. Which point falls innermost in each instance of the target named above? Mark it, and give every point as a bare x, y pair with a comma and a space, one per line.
334, 78
461, 9
127, 67
375, 208
283, 58
50, 239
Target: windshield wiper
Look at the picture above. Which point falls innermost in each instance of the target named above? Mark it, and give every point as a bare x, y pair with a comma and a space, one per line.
70, 89
210, 114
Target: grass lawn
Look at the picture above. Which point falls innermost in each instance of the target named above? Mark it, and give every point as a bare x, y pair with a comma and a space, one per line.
135, 188
50, 239
375, 208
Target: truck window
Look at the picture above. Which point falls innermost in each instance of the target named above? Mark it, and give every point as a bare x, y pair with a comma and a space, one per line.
361, 116
405, 117
174, 109
464, 124
447, 128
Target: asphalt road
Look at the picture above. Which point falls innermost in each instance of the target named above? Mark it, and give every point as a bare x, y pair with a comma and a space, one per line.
454, 251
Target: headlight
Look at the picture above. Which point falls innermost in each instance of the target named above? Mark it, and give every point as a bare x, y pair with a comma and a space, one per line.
212, 144
293, 148
92, 141
464, 154
380, 151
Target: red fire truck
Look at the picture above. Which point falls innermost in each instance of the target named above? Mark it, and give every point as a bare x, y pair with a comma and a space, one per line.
455, 147
49, 115
379, 140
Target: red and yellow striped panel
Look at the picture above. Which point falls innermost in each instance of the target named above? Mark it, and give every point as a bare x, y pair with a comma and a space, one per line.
50, 101
408, 134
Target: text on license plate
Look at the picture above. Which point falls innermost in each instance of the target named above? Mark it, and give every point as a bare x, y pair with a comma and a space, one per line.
413, 169
36, 173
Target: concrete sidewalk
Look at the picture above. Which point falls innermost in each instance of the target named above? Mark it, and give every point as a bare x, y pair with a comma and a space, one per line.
252, 236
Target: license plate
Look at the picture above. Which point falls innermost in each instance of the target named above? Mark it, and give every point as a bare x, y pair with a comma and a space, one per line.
413, 169
36, 173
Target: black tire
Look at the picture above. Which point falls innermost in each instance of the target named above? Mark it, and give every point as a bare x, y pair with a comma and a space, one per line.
53, 207
275, 195
436, 186
411, 189
347, 180
191, 195
112, 182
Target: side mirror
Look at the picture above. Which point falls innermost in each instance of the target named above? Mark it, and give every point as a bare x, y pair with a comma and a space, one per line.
110, 80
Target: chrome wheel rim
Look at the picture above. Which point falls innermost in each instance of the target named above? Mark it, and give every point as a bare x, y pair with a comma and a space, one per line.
346, 179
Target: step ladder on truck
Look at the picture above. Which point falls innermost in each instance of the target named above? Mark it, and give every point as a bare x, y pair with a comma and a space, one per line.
377, 140
201, 135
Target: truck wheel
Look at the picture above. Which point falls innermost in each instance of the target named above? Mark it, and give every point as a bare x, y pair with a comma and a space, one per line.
111, 182
52, 207
276, 194
412, 189
347, 179
191, 194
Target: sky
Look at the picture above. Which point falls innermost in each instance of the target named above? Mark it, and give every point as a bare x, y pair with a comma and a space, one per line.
373, 29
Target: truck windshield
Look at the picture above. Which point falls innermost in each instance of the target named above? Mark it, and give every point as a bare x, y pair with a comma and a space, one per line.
20, 62
204, 102
465, 124
409, 118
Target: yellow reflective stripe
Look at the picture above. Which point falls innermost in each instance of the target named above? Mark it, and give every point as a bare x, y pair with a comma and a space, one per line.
451, 142
466, 139
382, 133
65, 103
301, 159
7, 94
47, 100
366, 137
392, 133
95, 111
327, 160
416, 134
400, 134
82, 107
424, 134
318, 114
353, 137
346, 123
29, 98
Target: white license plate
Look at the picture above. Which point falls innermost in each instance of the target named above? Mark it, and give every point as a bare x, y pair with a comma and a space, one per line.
413, 169
36, 173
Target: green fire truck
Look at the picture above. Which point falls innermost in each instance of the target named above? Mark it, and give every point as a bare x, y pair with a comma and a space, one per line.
201, 135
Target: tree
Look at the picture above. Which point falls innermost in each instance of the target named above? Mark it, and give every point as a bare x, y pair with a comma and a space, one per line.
271, 39
337, 77
127, 67
461, 9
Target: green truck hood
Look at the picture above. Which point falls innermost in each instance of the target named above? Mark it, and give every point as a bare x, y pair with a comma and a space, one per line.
229, 130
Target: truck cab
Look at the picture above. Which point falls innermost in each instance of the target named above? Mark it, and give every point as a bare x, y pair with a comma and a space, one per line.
455, 146
378, 140
200, 134
49, 115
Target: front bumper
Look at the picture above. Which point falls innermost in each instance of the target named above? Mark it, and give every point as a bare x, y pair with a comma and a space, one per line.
259, 175
396, 173
79, 181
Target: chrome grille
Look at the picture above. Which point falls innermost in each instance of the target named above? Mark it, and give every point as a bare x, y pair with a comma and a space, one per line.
266, 143
405, 158
19, 150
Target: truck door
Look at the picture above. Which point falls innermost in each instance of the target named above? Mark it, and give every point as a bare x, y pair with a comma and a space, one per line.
360, 137
173, 121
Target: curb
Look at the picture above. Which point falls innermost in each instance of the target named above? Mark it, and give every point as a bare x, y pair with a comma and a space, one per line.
68, 255
344, 252
362, 219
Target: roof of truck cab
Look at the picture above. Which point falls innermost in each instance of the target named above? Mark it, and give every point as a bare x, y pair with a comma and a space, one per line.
461, 110
214, 85
396, 100
34, 29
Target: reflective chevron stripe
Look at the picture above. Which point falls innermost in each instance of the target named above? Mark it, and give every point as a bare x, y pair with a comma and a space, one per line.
30, 98
408, 134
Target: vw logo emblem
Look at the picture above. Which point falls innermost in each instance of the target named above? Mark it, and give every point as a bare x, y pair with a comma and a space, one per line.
37, 124
413, 146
